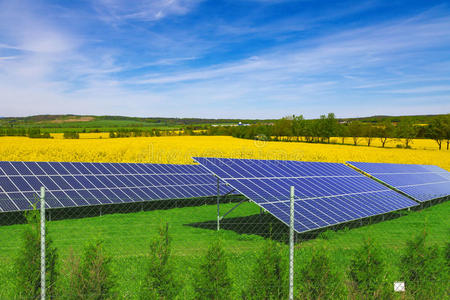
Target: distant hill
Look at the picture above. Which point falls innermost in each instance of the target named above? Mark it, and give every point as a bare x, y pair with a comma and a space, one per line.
91, 121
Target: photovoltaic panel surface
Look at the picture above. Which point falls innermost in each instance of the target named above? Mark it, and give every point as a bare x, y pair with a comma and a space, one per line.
326, 194
71, 184
422, 182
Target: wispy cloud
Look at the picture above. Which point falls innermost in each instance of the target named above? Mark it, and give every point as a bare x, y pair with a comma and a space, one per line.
143, 10
211, 68
378, 46
421, 90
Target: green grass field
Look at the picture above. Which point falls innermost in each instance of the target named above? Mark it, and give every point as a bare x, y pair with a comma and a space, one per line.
126, 238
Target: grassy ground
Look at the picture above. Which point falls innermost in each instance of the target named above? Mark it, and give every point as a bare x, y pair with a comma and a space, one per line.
126, 238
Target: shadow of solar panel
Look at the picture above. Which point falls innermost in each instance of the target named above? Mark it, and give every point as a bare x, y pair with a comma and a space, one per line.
326, 194
421, 182
72, 184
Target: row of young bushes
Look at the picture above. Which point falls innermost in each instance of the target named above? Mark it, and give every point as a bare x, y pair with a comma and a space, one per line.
424, 269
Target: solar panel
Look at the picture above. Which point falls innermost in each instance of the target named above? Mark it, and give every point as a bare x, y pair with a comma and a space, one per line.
72, 184
326, 194
422, 182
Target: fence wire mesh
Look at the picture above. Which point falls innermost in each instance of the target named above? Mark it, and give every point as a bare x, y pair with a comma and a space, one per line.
172, 249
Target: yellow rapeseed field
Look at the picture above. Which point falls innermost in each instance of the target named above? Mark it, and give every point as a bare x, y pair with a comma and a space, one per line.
180, 149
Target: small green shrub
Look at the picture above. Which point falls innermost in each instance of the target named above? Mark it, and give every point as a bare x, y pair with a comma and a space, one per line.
213, 280
28, 262
268, 279
89, 277
367, 272
318, 279
326, 235
423, 269
159, 282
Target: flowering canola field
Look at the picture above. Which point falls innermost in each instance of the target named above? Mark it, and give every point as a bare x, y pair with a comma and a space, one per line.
180, 149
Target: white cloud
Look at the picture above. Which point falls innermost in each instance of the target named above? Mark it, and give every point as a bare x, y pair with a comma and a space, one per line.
362, 49
421, 90
144, 10
53, 72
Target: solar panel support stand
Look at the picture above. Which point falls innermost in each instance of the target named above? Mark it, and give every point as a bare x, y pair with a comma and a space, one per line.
291, 246
233, 208
42, 243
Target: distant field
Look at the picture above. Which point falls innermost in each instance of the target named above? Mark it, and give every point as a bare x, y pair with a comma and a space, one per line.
180, 149
127, 236
103, 129
96, 123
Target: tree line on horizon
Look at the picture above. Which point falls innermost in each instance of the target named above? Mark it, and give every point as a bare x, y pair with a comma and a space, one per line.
292, 128
298, 129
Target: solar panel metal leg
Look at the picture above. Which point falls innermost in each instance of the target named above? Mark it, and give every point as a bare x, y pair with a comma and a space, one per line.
233, 208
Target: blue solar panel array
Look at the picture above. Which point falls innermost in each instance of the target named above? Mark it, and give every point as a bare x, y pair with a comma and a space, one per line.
422, 182
326, 194
71, 184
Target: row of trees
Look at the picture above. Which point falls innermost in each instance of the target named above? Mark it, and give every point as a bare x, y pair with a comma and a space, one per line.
425, 270
29, 132
297, 128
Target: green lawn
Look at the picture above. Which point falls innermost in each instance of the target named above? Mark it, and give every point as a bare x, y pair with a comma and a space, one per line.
126, 238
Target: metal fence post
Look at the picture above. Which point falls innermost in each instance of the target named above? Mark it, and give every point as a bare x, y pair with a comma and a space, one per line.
291, 247
218, 204
42, 243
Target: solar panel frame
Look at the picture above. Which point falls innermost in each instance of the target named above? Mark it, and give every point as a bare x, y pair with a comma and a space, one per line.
418, 182
278, 205
73, 184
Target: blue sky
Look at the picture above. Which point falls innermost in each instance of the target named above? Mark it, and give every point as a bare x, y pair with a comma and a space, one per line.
215, 59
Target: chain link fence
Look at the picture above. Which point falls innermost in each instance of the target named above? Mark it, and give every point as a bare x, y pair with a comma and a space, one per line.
223, 248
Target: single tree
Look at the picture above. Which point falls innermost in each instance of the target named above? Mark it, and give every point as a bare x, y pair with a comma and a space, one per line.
331, 126
385, 132
342, 132
447, 130
159, 282
282, 128
369, 133
368, 272
437, 131
406, 130
90, 276
355, 129
212, 280
268, 278
28, 262
423, 269
298, 126
318, 279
